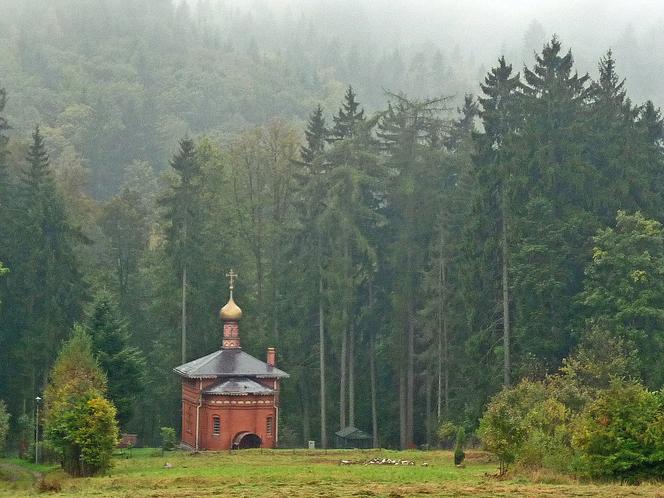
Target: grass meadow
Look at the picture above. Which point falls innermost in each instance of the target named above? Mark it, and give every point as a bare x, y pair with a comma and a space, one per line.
299, 473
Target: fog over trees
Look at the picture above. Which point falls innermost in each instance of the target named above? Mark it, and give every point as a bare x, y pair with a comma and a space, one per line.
426, 202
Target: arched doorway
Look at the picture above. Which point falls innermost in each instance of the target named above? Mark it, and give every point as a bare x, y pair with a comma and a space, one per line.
246, 440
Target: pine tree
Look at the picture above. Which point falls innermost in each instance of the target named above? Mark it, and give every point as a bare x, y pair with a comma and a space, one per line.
348, 117
315, 136
123, 365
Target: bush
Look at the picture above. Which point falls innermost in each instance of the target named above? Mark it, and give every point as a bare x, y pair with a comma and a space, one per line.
459, 455
4, 425
168, 438
85, 434
526, 424
621, 434
48, 484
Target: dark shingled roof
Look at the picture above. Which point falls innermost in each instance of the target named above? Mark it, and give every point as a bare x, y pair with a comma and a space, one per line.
228, 363
238, 387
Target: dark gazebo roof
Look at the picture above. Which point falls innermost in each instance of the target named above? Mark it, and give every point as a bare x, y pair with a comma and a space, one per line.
228, 363
238, 387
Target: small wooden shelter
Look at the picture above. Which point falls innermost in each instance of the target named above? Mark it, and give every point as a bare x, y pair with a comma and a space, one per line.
352, 437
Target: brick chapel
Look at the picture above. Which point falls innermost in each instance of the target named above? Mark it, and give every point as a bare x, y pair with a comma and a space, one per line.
230, 400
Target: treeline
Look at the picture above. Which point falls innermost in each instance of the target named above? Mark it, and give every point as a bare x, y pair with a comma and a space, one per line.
406, 265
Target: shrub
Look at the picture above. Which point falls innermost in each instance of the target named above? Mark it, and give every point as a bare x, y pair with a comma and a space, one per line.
168, 438
48, 484
621, 434
503, 430
527, 425
85, 433
459, 455
4, 425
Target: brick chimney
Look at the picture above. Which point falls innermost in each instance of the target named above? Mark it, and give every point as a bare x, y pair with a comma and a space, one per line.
272, 357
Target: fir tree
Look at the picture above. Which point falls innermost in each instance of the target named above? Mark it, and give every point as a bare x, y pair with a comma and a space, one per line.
499, 116
348, 117
182, 203
123, 365
46, 280
315, 136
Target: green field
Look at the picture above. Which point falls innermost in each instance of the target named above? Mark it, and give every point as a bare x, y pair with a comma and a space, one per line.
287, 473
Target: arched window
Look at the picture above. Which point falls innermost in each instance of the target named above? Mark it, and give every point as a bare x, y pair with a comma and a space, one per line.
216, 425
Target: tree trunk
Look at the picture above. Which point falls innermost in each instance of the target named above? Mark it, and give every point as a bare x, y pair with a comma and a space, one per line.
372, 374
351, 374
410, 425
342, 378
184, 313
184, 292
306, 422
506, 300
321, 357
428, 420
403, 401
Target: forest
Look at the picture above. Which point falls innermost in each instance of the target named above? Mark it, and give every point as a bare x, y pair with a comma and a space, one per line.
409, 256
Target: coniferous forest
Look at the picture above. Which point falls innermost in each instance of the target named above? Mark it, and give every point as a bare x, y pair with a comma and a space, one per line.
411, 235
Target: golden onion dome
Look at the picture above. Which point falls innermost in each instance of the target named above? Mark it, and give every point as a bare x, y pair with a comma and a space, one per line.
230, 311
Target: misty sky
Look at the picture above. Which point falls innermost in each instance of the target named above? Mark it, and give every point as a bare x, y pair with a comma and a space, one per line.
484, 30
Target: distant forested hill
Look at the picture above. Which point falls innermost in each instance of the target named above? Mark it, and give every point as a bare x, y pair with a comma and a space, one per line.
117, 81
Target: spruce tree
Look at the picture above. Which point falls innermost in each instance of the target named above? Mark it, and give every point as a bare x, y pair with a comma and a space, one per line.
46, 280
554, 193
123, 365
182, 207
348, 117
464, 125
495, 173
315, 135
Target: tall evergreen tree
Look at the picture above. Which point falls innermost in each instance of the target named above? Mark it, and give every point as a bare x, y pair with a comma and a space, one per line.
47, 287
555, 191
182, 205
315, 136
499, 115
405, 133
348, 117
123, 364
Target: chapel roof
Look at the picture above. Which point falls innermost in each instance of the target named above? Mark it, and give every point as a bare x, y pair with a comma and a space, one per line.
228, 363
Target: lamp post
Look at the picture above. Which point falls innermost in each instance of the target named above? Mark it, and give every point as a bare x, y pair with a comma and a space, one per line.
37, 401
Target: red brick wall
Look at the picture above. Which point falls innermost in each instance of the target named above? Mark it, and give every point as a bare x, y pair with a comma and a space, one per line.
248, 413
237, 414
